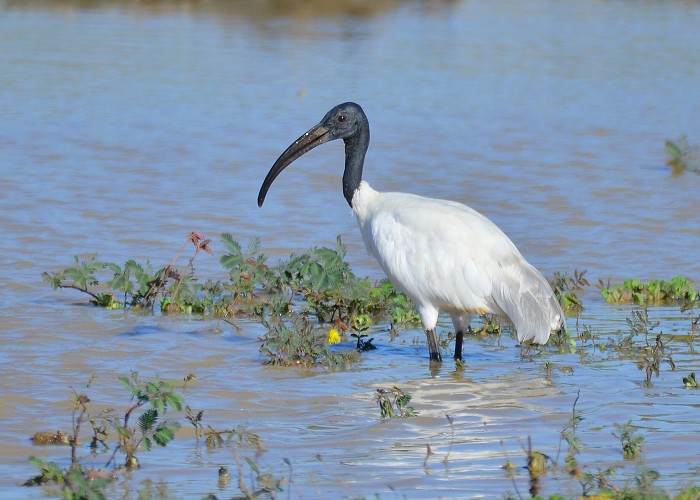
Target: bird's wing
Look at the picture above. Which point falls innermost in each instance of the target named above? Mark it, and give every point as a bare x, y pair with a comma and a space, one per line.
529, 301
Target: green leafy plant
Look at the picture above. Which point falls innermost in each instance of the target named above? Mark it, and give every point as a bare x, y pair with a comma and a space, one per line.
150, 428
651, 360
656, 292
690, 382
575, 445
215, 438
682, 157
248, 269
490, 325
537, 467
565, 287
639, 325
319, 281
394, 403
399, 307
218, 438
631, 443
300, 344
74, 483
82, 277
80, 482
138, 285
141, 427
362, 323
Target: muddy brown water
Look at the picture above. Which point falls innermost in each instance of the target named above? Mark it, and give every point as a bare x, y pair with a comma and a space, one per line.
125, 126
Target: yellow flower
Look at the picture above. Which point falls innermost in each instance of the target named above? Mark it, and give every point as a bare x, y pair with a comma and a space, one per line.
333, 336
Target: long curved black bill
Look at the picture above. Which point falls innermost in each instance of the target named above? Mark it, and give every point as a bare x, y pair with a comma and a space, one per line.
318, 135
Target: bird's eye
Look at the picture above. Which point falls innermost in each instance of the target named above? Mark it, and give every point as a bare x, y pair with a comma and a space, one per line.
341, 118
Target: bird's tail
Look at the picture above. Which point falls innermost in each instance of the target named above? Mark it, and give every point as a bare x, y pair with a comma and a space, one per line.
529, 302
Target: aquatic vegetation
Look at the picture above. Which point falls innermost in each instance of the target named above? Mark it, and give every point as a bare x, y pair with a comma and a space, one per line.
537, 466
218, 438
319, 282
394, 403
568, 434
401, 310
299, 343
364, 343
139, 428
71, 483
631, 443
362, 323
565, 287
265, 485
151, 429
648, 355
490, 325
57, 438
247, 269
136, 285
319, 314
639, 325
682, 157
656, 292
650, 361
602, 483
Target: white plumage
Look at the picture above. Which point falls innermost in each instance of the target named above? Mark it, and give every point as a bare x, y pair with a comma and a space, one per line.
445, 255
442, 254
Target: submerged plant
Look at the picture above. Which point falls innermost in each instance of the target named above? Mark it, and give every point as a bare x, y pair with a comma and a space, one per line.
537, 467
150, 428
631, 443
141, 427
299, 343
682, 157
218, 438
651, 360
490, 325
319, 281
137, 285
574, 443
394, 403
639, 325
79, 481
565, 287
262, 485
247, 269
656, 292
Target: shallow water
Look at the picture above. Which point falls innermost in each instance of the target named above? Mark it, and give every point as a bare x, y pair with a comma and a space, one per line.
126, 126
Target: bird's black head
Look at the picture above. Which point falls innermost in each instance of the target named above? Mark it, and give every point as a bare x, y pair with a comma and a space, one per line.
345, 121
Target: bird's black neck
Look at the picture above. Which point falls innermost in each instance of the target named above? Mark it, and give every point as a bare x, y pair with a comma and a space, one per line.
355, 149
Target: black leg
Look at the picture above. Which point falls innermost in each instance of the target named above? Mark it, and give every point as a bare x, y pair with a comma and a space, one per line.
458, 345
433, 346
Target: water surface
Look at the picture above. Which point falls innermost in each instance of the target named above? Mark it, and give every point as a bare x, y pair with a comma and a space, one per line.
126, 126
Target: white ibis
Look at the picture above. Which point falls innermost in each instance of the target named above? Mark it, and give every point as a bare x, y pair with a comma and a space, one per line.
442, 254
